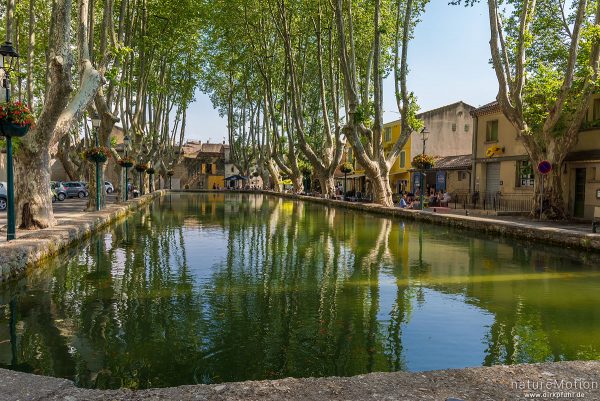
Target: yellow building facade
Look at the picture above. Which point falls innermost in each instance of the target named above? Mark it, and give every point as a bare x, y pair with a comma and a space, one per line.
400, 175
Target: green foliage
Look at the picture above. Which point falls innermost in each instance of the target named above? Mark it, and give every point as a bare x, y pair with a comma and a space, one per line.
364, 114
305, 167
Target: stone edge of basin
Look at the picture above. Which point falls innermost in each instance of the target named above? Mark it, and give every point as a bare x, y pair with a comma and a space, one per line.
470, 384
546, 235
34, 247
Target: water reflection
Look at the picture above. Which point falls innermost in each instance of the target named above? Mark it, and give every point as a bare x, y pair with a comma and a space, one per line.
212, 288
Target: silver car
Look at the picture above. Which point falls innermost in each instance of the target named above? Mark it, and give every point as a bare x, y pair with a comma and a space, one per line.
3, 196
75, 189
109, 187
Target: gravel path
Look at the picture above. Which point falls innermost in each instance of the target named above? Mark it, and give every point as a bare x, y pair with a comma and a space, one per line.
560, 381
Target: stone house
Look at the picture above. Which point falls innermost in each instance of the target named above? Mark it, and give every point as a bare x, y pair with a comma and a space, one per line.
450, 135
501, 165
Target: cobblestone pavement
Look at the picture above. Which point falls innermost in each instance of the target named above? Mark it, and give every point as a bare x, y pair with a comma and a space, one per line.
69, 208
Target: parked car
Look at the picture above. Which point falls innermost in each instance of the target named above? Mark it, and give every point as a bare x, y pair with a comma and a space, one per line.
75, 189
59, 190
3, 196
109, 187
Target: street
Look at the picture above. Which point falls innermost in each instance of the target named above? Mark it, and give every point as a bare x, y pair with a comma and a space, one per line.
66, 208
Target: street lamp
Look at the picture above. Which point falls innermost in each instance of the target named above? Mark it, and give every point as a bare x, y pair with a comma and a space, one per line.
96, 125
126, 143
9, 57
424, 138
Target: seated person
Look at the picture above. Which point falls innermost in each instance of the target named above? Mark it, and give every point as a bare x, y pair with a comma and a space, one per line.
446, 199
433, 200
403, 202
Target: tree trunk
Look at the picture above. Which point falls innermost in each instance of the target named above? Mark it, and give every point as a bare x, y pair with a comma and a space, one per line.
298, 182
327, 185
382, 191
34, 199
555, 207
274, 177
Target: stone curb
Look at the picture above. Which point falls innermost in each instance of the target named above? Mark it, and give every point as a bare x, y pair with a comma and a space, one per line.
32, 248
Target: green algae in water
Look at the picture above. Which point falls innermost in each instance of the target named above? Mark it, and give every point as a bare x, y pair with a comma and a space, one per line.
206, 288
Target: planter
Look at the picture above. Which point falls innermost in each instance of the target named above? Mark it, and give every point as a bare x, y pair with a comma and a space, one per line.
140, 169
13, 130
150, 171
97, 158
126, 164
422, 166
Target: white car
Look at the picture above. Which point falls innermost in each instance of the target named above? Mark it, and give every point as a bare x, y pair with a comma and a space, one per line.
109, 187
3, 196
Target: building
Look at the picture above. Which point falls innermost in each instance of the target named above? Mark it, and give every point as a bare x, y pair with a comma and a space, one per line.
203, 166
500, 162
502, 166
450, 135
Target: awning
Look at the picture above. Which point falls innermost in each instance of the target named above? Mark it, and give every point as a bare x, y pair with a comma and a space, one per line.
236, 177
354, 176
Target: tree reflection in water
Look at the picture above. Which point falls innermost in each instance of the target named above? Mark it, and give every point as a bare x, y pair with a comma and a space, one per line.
214, 287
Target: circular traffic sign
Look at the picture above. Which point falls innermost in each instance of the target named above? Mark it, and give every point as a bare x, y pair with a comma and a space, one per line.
545, 167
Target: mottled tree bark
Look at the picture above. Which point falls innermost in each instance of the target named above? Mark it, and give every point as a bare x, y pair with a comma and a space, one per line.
33, 197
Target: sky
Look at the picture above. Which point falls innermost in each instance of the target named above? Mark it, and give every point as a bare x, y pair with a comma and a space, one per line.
448, 61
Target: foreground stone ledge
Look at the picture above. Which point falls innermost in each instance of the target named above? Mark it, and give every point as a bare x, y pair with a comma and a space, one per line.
576, 380
546, 235
33, 247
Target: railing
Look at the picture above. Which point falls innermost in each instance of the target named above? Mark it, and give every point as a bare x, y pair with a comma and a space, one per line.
500, 202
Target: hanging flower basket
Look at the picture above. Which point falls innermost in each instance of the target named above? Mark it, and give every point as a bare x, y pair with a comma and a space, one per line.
346, 168
494, 151
150, 171
15, 119
141, 167
97, 154
423, 162
126, 162
170, 173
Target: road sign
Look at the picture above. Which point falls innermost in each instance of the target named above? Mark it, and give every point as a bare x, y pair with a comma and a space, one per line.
545, 167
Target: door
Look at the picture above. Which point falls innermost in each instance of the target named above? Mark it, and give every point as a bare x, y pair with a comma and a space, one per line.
492, 178
579, 202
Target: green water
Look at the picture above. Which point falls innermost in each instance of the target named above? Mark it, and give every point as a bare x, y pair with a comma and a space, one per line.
213, 288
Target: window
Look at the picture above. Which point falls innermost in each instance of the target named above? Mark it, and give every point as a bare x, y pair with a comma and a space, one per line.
463, 175
402, 159
596, 111
525, 176
232, 169
467, 127
491, 132
388, 134
453, 127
